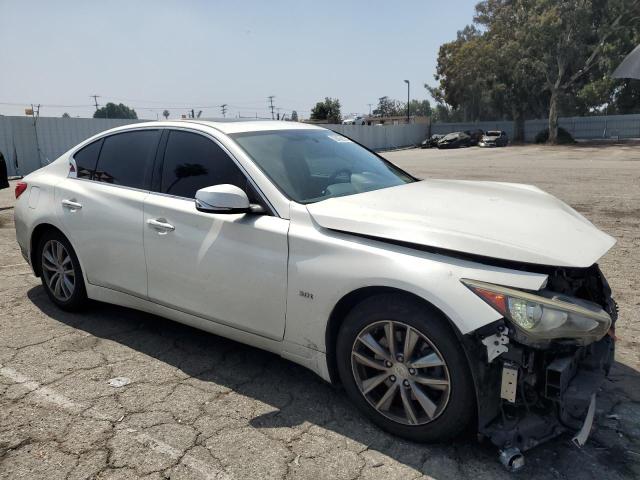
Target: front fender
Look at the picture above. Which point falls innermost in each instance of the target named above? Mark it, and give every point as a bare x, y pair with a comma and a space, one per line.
324, 266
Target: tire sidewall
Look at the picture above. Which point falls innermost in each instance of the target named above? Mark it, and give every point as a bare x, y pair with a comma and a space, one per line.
461, 406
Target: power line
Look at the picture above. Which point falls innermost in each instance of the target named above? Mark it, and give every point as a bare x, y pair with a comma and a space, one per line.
271, 97
236, 106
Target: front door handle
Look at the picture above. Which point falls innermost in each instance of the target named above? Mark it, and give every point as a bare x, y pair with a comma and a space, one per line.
71, 205
161, 225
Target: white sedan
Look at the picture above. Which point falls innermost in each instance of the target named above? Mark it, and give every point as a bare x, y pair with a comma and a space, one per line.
435, 303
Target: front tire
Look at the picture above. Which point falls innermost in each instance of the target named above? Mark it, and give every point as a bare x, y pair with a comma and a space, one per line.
60, 272
404, 368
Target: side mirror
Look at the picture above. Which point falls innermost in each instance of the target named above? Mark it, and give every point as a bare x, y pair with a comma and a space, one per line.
222, 199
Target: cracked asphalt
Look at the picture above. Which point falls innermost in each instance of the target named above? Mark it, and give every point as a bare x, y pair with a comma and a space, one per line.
118, 394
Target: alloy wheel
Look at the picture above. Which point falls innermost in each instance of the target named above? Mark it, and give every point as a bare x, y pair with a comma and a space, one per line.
57, 268
400, 372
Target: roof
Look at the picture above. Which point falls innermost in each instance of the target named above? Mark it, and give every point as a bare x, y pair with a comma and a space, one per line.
224, 127
246, 126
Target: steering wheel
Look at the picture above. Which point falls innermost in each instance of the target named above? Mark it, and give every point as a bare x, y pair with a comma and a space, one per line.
334, 176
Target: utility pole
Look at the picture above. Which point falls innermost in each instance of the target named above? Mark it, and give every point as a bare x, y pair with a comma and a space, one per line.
370, 105
223, 109
408, 101
35, 113
271, 107
95, 100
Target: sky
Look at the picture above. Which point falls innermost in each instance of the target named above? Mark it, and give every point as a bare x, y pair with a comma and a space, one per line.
177, 55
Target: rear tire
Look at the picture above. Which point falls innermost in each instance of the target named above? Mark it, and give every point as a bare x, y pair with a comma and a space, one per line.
436, 368
60, 272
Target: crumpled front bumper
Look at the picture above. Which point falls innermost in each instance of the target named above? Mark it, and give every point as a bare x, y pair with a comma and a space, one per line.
527, 396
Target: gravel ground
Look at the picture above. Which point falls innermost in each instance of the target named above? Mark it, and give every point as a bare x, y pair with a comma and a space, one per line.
115, 393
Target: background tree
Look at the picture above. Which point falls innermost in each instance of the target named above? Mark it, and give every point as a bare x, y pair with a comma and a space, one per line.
328, 110
66, 115
388, 107
294, 116
111, 110
534, 58
567, 39
420, 108
166, 114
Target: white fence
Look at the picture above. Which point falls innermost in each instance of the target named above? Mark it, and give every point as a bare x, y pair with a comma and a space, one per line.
581, 128
28, 145
384, 137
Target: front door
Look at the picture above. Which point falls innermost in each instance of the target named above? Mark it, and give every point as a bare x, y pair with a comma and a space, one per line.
228, 268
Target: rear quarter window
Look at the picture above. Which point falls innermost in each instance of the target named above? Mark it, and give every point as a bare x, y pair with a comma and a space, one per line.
125, 158
86, 159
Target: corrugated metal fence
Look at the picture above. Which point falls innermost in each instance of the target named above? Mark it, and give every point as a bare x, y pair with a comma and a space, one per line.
27, 146
384, 137
581, 128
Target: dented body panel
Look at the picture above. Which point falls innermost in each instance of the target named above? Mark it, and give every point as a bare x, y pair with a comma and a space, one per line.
497, 220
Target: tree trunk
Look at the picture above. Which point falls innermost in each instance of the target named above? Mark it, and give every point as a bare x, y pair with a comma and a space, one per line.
518, 126
553, 117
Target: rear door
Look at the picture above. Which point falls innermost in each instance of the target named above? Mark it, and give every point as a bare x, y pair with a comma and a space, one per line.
102, 209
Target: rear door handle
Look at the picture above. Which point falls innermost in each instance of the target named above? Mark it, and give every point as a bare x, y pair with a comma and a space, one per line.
71, 205
161, 225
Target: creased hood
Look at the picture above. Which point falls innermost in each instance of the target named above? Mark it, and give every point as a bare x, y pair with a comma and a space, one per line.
500, 220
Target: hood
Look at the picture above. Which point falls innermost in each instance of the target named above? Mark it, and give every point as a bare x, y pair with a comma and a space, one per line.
499, 220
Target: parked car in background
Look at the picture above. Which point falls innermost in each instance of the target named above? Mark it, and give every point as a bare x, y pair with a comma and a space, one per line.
358, 120
432, 141
494, 138
435, 303
455, 140
475, 135
4, 178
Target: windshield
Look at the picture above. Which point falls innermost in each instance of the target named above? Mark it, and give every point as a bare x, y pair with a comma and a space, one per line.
313, 165
493, 133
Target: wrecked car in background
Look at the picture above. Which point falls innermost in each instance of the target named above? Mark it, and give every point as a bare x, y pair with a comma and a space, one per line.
432, 141
455, 140
494, 138
475, 135
435, 303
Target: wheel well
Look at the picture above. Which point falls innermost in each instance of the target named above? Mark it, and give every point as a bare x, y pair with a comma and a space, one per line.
348, 302
37, 234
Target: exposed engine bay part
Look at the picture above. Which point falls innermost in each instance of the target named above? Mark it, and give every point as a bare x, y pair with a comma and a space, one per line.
529, 411
554, 385
581, 437
512, 459
509, 384
496, 344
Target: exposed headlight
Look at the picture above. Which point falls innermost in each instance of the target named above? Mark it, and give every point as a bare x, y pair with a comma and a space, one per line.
552, 316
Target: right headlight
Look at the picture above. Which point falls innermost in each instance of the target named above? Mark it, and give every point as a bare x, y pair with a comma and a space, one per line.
545, 317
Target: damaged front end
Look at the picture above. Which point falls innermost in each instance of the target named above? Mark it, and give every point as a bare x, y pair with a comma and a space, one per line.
536, 381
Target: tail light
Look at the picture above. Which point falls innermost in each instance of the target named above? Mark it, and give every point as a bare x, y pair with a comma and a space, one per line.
20, 188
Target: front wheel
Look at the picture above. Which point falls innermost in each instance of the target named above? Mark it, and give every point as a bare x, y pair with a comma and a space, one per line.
404, 368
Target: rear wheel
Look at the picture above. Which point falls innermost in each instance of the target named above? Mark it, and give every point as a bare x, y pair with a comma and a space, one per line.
401, 364
60, 272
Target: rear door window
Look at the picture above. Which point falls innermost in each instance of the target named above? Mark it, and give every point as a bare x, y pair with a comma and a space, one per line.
126, 158
87, 158
192, 162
